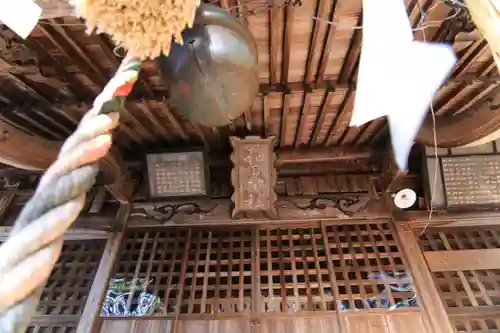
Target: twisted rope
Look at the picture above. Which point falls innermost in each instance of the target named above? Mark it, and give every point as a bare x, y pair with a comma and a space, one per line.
34, 245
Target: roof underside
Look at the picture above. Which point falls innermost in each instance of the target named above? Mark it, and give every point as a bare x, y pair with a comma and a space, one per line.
307, 74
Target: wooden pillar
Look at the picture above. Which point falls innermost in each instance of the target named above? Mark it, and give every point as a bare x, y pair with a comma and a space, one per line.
120, 184
91, 313
390, 174
256, 295
423, 282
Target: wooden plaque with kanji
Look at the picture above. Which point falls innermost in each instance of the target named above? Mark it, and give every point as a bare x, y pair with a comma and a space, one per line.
253, 175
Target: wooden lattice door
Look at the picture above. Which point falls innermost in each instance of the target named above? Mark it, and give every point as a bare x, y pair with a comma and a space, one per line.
321, 277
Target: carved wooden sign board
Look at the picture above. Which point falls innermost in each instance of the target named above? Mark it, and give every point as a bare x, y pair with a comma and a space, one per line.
253, 176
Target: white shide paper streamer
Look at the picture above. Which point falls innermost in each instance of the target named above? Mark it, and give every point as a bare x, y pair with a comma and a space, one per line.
21, 16
397, 76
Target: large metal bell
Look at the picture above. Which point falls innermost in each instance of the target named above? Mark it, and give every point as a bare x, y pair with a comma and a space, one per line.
212, 78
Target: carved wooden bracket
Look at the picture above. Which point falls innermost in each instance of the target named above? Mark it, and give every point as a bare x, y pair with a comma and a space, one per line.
254, 175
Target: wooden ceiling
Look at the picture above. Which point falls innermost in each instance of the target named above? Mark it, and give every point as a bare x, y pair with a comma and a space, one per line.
307, 70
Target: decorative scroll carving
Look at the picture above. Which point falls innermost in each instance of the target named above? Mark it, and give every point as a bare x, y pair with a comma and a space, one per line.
177, 212
219, 211
341, 204
320, 207
253, 176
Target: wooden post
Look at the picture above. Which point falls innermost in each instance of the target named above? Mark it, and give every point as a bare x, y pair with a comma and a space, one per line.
256, 296
422, 280
120, 184
91, 313
390, 174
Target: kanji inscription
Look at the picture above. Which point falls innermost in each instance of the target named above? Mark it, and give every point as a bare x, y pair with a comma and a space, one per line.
471, 180
253, 175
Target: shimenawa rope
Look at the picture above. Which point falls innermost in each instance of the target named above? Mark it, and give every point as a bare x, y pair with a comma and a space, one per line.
35, 243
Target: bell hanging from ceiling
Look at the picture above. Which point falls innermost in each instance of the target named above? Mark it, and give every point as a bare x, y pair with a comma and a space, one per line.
212, 78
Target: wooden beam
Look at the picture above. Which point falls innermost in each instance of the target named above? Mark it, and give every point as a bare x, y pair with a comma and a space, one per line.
317, 155
319, 31
287, 44
30, 152
423, 282
72, 234
274, 25
419, 219
264, 89
25, 151
474, 312
462, 260
55, 320
91, 313
346, 209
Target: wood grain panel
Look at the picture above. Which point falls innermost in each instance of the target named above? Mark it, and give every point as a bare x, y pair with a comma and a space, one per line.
412, 322
391, 322
366, 323
462, 260
184, 326
300, 325
355, 323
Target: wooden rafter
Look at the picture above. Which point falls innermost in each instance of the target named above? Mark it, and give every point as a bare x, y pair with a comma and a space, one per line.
322, 56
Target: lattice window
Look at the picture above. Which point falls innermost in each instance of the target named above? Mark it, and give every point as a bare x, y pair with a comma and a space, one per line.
51, 329
463, 289
471, 297
461, 239
293, 271
222, 271
369, 268
352, 267
69, 284
198, 271
484, 324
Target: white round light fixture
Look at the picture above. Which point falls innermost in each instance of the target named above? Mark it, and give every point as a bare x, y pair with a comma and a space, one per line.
405, 198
